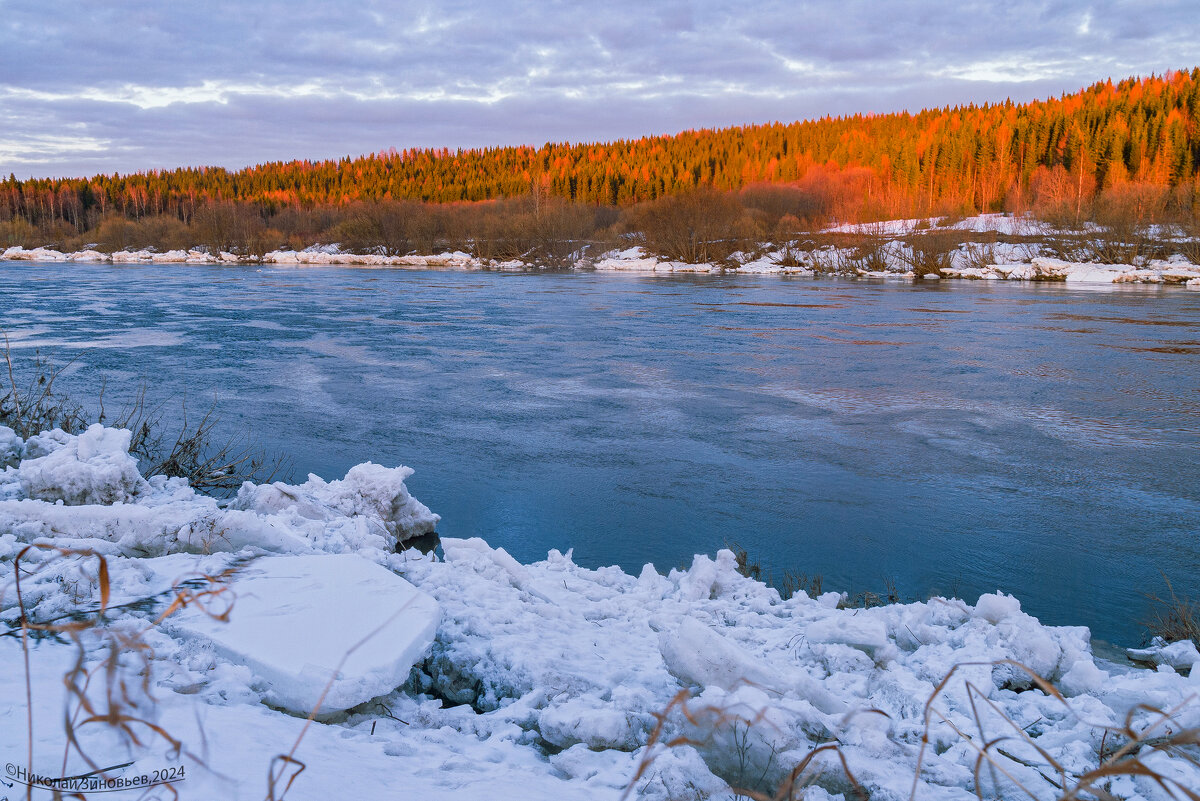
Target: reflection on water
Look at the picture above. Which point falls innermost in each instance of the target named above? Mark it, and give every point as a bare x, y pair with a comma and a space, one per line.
971, 436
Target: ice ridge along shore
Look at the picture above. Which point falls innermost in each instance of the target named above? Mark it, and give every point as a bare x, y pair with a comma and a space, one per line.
472, 675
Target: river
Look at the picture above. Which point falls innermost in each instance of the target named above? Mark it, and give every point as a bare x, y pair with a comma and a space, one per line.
955, 438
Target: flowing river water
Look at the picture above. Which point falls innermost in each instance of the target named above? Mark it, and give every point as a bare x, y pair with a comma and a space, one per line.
956, 438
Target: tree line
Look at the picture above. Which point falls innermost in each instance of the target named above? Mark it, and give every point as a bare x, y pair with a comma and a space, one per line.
1131, 144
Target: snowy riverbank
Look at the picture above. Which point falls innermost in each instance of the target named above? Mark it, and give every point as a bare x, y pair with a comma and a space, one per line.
542, 681
1021, 259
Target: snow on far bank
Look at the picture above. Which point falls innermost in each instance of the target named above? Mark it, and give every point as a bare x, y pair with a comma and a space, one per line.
317, 255
637, 260
991, 262
542, 681
1047, 269
1001, 223
1015, 261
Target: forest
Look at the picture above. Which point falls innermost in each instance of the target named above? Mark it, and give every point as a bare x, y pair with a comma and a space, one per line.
1128, 150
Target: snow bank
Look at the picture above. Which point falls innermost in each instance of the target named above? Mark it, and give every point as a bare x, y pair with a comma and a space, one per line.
11, 448
370, 508
1180, 655
19, 253
80, 491
329, 255
1047, 269
88, 255
636, 260
544, 680
768, 265
92, 468
1001, 223
598, 653
1012, 261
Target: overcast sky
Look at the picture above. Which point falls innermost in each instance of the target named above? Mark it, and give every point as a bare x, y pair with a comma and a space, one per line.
125, 85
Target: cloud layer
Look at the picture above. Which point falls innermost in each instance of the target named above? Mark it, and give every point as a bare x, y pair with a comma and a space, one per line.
142, 84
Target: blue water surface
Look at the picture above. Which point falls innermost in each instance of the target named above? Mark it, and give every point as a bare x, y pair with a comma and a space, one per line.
956, 438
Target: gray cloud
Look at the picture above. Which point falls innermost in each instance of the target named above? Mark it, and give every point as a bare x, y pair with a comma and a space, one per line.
142, 84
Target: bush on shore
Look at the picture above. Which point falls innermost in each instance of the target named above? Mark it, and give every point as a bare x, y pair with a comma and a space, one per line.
182, 444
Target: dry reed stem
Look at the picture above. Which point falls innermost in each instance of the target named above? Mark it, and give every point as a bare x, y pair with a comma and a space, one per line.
120, 699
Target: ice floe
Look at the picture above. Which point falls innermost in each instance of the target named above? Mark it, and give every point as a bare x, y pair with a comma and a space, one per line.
321, 632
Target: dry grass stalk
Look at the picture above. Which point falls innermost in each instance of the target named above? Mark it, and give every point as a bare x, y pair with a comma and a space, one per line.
123, 701
1174, 618
34, 405
194, 450
1124, 750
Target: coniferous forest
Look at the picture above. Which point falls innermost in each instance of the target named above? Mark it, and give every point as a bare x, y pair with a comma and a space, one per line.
1134, 144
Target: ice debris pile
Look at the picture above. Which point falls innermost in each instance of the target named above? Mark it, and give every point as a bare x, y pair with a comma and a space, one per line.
87, 488
474, 675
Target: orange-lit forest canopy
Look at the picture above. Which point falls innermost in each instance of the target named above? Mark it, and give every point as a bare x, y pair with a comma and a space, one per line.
971, 158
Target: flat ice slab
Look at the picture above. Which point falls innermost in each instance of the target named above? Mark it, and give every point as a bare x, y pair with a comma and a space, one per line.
298, 621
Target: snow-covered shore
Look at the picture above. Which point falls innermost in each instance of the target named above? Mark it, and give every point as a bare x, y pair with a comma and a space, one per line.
538, 681
1012, 262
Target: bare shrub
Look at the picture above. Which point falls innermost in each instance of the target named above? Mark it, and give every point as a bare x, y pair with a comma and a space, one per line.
541, 230
194, 449
791, 583
701, 227
1125, 217
562, 231
825, 260
867, 253
930, 253
1184, 211
426, 228
789, 255
745, 567
502, 230
784, 210
189, 447
161, 231
303, 227
261, 242
980, 255
1174, 618
55, 234
113, 233
18, 232
376, 228
1187, 242
229, 228
33, 404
